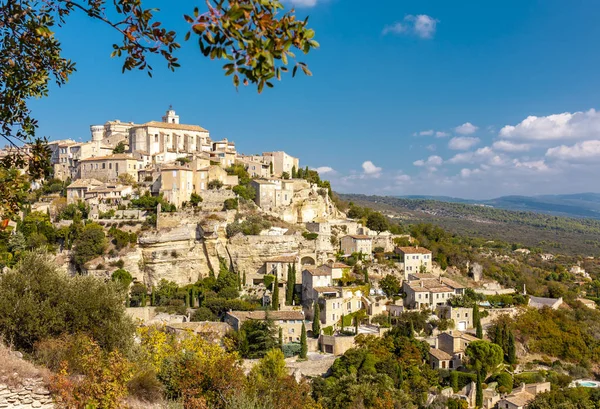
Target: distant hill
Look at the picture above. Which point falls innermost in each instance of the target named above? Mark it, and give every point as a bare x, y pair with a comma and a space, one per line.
574, 205
547, 227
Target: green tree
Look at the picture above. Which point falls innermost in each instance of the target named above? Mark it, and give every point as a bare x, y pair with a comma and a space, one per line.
511, 349
378, 222
291, 281
477, 322
484, 356
271, 168
120, 148
316, 324
390, 285
195, 199
479, 392
91, 243
38, 302
294, 174
275, 295
303, 343
215, 184
123, 277
281, 338
259, 336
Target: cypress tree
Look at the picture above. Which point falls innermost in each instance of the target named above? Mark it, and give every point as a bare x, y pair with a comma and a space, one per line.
477, 322
411, 330
187, 300
152, 299
342, 320
400, 377
289, 291
389, 317
355, 325
479, 392
294, 172
244, 279
275, 295
512, 353
193, 297
316, 324
303, 344
281, 339
271, 167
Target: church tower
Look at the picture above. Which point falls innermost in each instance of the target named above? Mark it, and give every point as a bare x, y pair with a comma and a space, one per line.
170, 117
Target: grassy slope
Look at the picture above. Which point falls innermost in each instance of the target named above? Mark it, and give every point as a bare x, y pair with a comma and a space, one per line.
551, 233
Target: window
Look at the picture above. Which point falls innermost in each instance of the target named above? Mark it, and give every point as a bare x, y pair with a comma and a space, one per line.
110, 165
104, 166
156, 138
349, 306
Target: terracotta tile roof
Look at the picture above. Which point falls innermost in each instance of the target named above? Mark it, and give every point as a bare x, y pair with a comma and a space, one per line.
441, 290
338, 265
414, 250
359, 236
439, 354
326, 289
116, 156
179, 127
520, 399
89, 183
317, 271
261, 315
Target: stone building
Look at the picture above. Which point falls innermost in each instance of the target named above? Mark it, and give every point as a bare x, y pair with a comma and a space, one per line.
108, 168
414, 259
429, 291
273, 192
76, 191
289, 321
282, 162
165, 141
357, 243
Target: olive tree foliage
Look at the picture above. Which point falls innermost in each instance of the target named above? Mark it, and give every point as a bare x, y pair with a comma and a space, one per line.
256, 40
38, 302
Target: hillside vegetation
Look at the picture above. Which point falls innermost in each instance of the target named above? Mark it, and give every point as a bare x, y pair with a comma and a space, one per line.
548, 233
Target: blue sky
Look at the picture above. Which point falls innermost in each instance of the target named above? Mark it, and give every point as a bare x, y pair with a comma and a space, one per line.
467, 98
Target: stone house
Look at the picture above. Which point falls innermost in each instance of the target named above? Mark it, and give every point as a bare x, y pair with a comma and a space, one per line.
108, 193
177, 184
108, 168
163, 142
356, 243
76, 191
463, 317
337, 301
282, 162
414, 259
428, 291
272, 193
278, 266
450, 349
314, 278
254, 165
520, 397
337, 270
289, 321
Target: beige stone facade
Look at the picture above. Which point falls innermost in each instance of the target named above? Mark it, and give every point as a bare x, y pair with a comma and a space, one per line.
282, 162
290, 322
108, 168
357, 244
415, 259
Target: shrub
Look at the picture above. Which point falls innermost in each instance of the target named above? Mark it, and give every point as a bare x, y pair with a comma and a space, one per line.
310, 236
123, 277
145, 386
230, 204
268, 280
37, 301
290, 350
91, 243
203, 314
215, 184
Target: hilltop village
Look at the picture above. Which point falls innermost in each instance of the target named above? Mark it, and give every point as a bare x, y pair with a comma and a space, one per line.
211, 243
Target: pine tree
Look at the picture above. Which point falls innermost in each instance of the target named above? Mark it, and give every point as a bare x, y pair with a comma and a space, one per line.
275, 295
511, 353
477, 322
316, 324
289, 293
479, 392
303, 344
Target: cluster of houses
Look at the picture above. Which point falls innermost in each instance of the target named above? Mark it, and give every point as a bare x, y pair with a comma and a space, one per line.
167, 157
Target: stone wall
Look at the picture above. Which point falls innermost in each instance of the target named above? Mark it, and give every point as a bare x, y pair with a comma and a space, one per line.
31, 394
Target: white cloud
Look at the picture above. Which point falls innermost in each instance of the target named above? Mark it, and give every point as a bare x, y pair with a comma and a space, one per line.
581, 151
302, 3
440, 134
577, 125
538, 165
421, 25
431, 163
402, 179
324, 169
431, 147
507, 146
426, 133
465, 173
463, 143
466, 129
370, 169
480, 155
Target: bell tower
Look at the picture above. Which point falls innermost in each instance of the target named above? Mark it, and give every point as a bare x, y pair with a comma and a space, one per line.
170, 117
